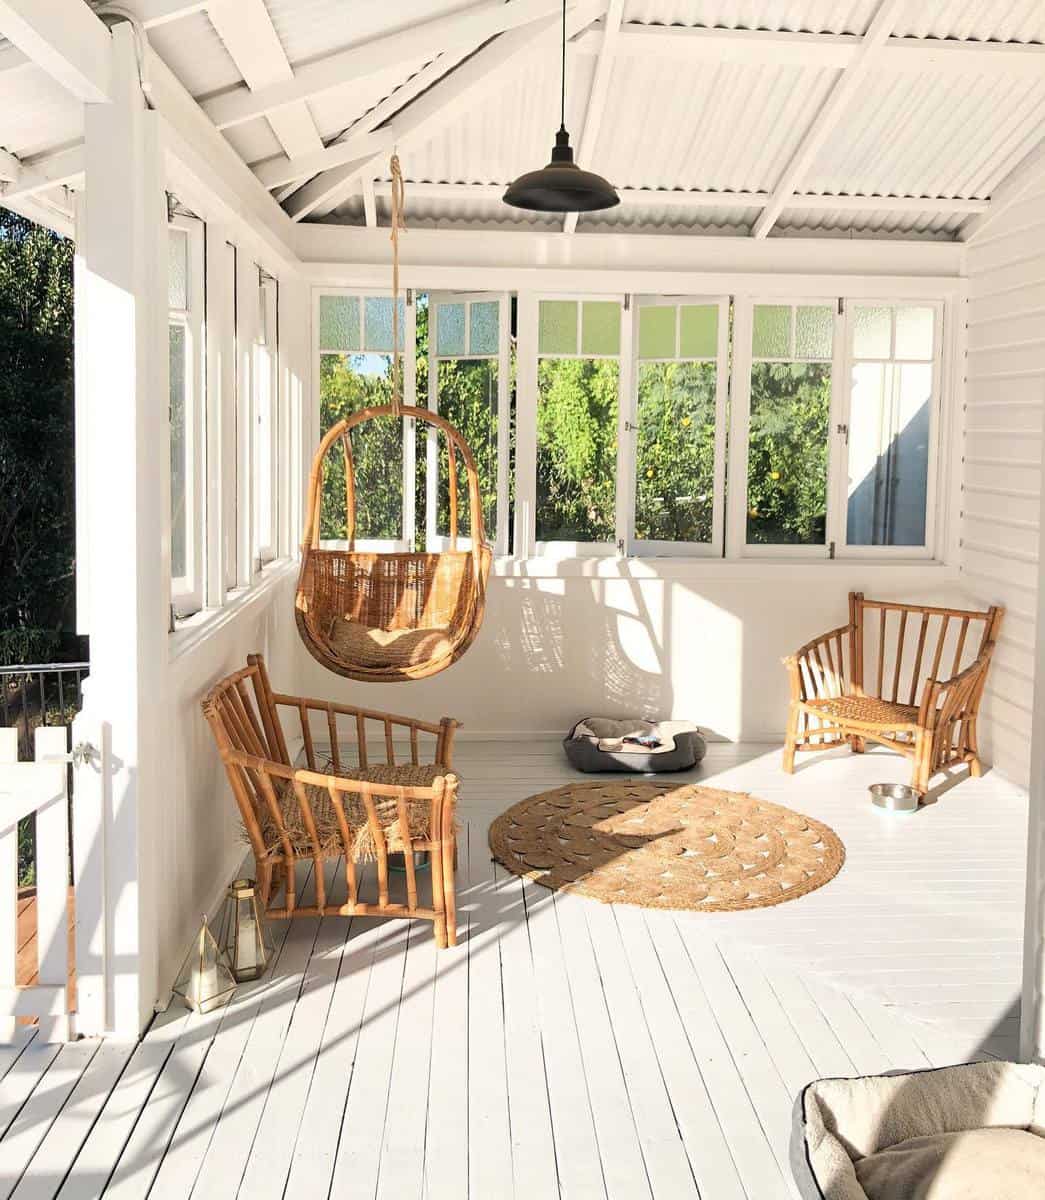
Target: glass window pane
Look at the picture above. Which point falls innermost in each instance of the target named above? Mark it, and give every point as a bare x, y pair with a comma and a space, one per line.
675, 453
339, 323
787, 454
772, 331
576, 449
468, 400
347, 383
177, 269
657, 331
871, 331
814, 331
914, 333
449, 329
558, 327
889, 425
484, 331
377, 333
179, 452
699, 332
600, 327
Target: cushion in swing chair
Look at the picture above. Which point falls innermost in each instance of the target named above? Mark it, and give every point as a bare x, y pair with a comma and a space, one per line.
631, 744
370, 647
969, 1132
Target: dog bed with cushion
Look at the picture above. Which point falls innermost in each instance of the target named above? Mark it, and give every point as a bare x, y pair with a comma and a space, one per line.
970, 1132
631, 744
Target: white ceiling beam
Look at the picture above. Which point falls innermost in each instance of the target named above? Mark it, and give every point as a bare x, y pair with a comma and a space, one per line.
65, 39
248, 34
463, 29
444, 102
688, 200
600, 90
370, 203
358, 147
10, 167
1012, 189
36, 175
817, 50
153, 13
849, 82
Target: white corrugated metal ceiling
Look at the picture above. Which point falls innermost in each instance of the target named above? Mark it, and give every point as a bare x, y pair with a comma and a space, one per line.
708, 103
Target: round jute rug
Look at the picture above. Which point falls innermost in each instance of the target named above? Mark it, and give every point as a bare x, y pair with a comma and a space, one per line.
663, 846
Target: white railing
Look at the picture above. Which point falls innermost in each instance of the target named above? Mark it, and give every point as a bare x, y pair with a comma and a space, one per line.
40, 788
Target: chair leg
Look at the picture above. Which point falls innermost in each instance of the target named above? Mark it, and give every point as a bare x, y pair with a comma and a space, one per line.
790, 739
920, 769
857, 744
973, 750
449, 892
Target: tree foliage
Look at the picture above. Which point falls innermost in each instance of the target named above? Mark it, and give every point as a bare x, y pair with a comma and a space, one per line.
37, 530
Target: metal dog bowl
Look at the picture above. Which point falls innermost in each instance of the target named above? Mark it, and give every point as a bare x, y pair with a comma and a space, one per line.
894, 797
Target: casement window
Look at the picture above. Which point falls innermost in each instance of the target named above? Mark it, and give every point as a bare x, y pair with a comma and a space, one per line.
781, 468
676, 443
469, 382
265, 376
579, 379
353, 332
890, 427
185, 236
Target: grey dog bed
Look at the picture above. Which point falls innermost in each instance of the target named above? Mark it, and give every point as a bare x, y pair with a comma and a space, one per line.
600, 744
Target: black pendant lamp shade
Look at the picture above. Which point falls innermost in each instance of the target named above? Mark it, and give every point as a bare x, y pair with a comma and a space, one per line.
561, 186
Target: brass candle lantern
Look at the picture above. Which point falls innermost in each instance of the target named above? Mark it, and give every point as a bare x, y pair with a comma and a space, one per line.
244, 936
205, 981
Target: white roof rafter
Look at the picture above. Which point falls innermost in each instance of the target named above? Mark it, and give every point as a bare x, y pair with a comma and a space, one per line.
65, 39
829, 115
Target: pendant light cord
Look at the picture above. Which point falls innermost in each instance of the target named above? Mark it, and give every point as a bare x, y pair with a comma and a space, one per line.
562, 111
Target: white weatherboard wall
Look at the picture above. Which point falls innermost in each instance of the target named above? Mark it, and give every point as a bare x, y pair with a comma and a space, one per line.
1005, 397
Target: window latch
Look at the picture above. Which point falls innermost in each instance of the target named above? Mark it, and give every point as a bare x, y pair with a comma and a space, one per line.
620, 546
844, 429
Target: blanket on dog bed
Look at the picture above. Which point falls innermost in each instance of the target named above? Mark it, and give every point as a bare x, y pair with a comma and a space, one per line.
632, 744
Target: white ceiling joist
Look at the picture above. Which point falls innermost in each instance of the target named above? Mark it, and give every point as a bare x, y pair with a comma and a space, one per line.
37, 175
354, 147
248, 34
689, 200
817, 50
463, 29
600, 90
849, 81
65, 39
490, 67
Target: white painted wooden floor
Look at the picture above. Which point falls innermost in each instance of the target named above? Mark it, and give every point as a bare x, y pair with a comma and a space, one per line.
565, 1047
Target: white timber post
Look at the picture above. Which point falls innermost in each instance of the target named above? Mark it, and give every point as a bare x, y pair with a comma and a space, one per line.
127, 446
526, 401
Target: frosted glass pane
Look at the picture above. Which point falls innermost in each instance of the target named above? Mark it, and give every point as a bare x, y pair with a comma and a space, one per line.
914, 333
699, 333
871, 330
339, 323
657, 332
378, 331
449, 329
772, 332
600, 327
177, 268
179, 453
814, 332
483, 328
558, 327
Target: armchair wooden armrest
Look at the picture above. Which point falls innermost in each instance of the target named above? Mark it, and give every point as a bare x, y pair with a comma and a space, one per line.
818, 670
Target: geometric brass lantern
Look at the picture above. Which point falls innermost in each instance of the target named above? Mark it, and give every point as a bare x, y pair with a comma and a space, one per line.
205, 981
244, 936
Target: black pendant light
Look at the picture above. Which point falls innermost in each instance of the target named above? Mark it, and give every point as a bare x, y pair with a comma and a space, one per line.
561, 186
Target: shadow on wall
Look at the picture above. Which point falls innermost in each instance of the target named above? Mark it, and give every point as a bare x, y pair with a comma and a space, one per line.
887, 506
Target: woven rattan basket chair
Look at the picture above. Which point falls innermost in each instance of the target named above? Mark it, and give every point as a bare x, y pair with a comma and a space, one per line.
903, 701
389, 617
357, 812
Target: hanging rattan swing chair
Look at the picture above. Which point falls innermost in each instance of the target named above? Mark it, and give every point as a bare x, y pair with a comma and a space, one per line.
385, 617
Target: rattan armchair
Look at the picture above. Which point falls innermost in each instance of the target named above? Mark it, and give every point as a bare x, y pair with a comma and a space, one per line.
355, 812
909, 706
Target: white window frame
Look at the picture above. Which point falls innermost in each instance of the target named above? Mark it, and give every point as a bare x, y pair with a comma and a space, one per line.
660, 548
405, 543
527, 400
737, 545
265, 441
932, 486
187, 591
434, 541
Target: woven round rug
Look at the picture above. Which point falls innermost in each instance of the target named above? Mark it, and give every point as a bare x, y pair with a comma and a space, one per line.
662, 846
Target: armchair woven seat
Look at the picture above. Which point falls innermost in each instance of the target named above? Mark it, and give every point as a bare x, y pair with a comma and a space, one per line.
353, 812
911, 680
